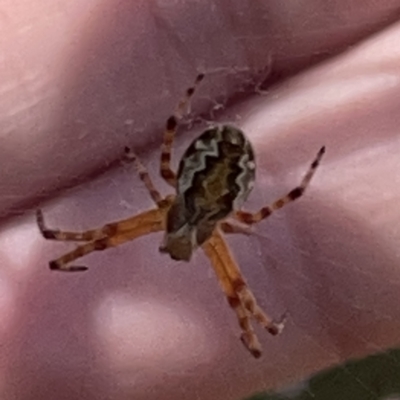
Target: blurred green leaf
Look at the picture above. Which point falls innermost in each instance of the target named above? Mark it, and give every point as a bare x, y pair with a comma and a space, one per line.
374, 377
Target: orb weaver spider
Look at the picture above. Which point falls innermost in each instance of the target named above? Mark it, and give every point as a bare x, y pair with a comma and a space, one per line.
214, 178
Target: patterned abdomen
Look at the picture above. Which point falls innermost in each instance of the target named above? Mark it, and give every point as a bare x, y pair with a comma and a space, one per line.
216, 174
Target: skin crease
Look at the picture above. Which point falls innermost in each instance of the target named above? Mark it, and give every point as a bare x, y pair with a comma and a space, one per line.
137, 324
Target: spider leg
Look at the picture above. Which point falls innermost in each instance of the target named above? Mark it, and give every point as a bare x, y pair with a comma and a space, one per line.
170, 131
232, 227
55, 234
144, 176
240, 286
113, 235
248, 337
265, 212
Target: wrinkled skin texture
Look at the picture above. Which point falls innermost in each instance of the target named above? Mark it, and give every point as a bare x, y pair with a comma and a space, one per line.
137, 324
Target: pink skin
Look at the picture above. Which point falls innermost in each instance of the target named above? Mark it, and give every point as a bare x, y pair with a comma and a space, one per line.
137, 324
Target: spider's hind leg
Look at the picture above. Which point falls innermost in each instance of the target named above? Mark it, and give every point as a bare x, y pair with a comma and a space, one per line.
170, 131
144, 176
297, 192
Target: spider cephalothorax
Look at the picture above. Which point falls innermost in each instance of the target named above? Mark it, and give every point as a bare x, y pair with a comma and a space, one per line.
215, 176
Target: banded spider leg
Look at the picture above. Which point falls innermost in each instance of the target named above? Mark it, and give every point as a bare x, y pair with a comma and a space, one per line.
116, 233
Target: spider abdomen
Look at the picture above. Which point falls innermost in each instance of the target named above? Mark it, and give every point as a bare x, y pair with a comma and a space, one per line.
215, 176
216, 173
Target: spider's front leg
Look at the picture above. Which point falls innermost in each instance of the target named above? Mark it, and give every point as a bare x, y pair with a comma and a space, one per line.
217, 256
110, 235
297, 192
65, 236
170, 131
241, 288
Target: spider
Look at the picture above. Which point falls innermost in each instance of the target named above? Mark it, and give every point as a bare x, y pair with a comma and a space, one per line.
214, 178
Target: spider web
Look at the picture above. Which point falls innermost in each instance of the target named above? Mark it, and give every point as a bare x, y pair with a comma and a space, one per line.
279, 246
375, 377
288, 248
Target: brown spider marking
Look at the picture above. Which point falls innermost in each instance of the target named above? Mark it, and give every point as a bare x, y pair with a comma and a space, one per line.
215, 176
